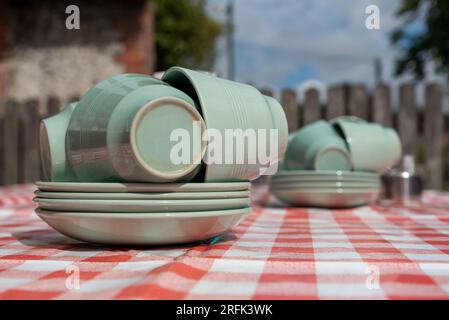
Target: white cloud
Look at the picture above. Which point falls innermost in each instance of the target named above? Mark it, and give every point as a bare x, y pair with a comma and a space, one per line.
276, 37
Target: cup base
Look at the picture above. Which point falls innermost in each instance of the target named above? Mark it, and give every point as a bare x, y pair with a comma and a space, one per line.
332, 159
150, 153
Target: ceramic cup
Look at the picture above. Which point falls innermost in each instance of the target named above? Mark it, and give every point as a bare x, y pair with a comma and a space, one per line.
104, 95
280, 123
86, 100
101, 108
52, 146
133, 142
228, 106
87, 130
372, 147
317, 146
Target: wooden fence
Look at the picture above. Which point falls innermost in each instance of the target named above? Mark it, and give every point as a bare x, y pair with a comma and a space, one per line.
422, 130
19, 138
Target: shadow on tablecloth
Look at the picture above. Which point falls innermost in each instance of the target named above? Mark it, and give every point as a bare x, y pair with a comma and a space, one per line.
50, 239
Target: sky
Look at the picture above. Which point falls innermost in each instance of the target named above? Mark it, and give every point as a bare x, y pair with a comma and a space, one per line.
302, 43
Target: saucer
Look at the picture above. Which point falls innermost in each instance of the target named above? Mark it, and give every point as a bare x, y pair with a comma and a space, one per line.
134, 206
328, 173
144, 196
328, 198
325, 184
324, 178
142, 228
140, 187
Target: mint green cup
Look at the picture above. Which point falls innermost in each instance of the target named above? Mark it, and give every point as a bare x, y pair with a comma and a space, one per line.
104, 95
317, 146
394, 146
132, 141
228, 107
81, 117
101, 108
280, 123
52, 146
372, 147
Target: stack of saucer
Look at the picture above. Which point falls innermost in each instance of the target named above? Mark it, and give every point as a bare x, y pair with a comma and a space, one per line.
124, 165
336, 163
142, 213
325, 188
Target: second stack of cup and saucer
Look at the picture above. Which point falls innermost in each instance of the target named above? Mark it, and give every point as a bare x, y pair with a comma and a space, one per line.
335, 164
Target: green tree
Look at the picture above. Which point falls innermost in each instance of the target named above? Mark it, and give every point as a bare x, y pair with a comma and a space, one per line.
185, 34
429, 44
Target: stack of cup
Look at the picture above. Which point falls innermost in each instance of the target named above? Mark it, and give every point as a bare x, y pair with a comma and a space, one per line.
132, 162
336, 163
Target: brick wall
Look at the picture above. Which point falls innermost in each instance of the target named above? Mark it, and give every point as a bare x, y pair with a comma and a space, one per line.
40, 57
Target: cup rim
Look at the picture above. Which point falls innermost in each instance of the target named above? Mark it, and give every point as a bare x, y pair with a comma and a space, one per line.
47, 162
133, 132
52, 151
283, 127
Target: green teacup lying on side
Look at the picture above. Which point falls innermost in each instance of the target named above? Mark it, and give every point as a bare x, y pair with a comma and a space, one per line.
372, 147
317, 146
130, 139
228, 106
52, 146
86, 134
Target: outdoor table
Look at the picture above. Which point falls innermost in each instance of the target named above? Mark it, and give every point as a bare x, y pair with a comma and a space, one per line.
276, 253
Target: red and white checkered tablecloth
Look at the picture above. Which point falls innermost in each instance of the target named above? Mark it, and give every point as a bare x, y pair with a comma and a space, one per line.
276, 253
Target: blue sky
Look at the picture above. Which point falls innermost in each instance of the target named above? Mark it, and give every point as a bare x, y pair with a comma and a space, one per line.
293, 43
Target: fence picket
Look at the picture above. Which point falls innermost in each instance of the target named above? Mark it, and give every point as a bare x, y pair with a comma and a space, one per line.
312, 107
433, 136
407, 118
290, 105
381, 105
53, 106
29, 162
335, 102
10, 143
358, 101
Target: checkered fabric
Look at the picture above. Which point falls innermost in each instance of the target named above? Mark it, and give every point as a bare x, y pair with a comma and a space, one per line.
16, 196
276, 253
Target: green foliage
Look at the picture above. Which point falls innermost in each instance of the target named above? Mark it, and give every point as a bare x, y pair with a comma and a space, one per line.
185, 34
432, 44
